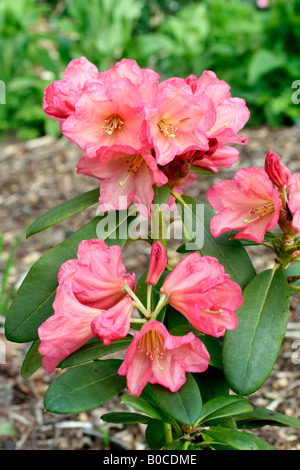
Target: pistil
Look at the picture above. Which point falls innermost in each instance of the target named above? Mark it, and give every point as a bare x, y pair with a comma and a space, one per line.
167, 128
259, 212
113, 123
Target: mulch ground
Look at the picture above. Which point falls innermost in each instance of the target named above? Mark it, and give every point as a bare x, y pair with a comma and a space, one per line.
36, 176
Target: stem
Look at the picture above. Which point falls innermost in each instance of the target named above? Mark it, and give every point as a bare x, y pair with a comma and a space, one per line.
163, 301
168, 433
137, 321
176, 195
297, 288
137, 303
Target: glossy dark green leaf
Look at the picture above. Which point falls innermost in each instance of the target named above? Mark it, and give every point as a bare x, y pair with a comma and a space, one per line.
32, 361
230, 253
251, 350
223, 406
263, 417
211, 383
237, 440
33, 303
184, 405
125, 418
155, 435
63, 211
145, 406
94, 350
85, 387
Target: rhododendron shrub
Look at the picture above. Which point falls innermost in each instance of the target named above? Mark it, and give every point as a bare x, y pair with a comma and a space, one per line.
193, 335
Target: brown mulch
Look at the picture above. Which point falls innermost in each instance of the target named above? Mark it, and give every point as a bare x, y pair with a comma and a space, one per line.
36, 176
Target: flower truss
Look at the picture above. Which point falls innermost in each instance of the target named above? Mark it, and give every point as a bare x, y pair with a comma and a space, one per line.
197, 332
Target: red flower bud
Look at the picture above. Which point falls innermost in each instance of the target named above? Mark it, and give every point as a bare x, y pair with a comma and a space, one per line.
278, 173
158, 261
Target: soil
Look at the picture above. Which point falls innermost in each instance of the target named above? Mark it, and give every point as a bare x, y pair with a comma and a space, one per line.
40, 174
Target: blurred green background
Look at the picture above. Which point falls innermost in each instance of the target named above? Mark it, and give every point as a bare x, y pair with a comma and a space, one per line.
256, 50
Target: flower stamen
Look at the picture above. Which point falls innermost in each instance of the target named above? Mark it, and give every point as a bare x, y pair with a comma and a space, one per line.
113, 123
152, 344
260, 212
167, 128
134, 164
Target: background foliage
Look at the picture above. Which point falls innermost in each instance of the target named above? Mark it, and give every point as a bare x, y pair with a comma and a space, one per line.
255, 50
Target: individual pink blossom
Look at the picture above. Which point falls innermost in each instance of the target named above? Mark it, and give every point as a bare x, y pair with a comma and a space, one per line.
294, 200
249, 203
113, 323
88, 286
158, 261
144, 80
231, 116
127, 176
60, 96
178, 121
157, 357
199, 288
278, 173
106, 114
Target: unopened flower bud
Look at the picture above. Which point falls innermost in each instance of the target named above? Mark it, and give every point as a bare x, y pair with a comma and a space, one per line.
158, 261
278, 173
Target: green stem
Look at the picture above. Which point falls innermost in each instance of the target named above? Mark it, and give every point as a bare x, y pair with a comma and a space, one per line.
136, 301
168, 433
163, 301
297, 288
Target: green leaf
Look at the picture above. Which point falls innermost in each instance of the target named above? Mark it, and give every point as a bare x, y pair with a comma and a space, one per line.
211, 383
251, 350
155, 435
33, 303
146, 407
63, 211
125, 418
32, 361
235, 439
230, 253
85, 387
293, 270
161, 194
184, 405
263, 417
94, 350
201, 171
223, 406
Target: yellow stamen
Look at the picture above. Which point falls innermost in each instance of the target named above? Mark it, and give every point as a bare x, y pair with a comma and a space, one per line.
259, 212
134, 162
113, 123
152, 344
167, 128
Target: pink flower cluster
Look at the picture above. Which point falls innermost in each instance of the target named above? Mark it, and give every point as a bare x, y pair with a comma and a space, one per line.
256, 200
136, 131
95, 298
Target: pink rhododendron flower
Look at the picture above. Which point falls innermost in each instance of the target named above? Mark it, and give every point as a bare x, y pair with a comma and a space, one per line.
248, 203
127, 176
179, 120
144, 80
231, 116
88, 286
105, 115
157, 357
199, 288
278, 173
294, 200
113, 323
158, 261
60, 96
